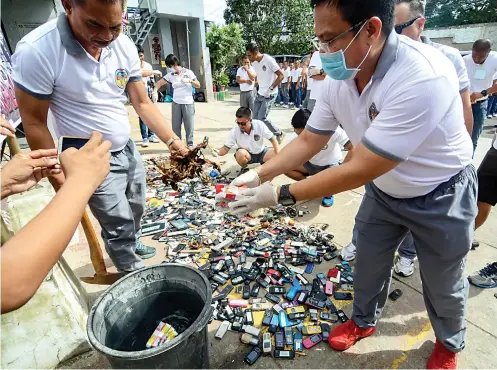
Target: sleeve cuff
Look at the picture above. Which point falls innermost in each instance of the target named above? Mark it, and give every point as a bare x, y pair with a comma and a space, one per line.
227, 147
135, 78
319, 132
32, 93
464, 89
381, 152
347, 143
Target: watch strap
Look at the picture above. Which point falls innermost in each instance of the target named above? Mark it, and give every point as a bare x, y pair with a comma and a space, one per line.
171, 140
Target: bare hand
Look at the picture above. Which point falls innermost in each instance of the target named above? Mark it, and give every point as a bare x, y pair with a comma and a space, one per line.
178, 147
475, 96
6, 128
90, 165
25, 170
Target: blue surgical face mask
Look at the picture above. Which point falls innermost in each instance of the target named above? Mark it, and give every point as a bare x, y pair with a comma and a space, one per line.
335, 65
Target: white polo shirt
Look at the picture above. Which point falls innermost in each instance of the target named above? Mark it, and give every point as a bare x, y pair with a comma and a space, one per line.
316, 84
410, 112
455, 57
296, 74
286, 74
331, 154
244, 76
85, 95
182, 91
253, 142
481, 76
266, 73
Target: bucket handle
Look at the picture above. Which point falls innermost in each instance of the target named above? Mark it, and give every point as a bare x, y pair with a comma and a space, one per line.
206, 319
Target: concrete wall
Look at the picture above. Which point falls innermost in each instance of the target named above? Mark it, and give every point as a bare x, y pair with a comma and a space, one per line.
188, 8
30, 13
463, 37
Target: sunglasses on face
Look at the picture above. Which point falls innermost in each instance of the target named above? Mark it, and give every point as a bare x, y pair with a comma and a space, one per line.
401, 27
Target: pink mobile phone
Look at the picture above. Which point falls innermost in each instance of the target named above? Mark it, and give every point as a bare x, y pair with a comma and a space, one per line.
329, 288
312, 341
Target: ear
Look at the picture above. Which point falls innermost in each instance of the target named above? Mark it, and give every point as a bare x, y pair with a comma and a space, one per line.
67, 4
373, 29
422, 22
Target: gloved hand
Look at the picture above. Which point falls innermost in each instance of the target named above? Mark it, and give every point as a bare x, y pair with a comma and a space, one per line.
261, 197
250, 179
314, 71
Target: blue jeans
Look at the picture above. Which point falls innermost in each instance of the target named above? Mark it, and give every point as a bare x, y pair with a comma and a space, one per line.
297, 95
479, 115
282, 94
492, 105
145, 131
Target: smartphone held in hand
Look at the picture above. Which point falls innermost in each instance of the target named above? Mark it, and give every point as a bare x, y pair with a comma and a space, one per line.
66, 142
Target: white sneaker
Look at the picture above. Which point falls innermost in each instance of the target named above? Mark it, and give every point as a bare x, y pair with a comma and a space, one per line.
489, 116
495, 115
154, 139
348, 252
404, 266
145, 143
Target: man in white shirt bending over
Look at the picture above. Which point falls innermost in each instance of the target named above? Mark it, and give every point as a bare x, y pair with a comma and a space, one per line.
269, 76
245, 77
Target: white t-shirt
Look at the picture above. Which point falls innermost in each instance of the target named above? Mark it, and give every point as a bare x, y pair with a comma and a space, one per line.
316, 84
147, 67
85, 95
410, 112
481, 76
331, 154
266, 73
253, 142
244, 76
296, 74
286, 73
182, 91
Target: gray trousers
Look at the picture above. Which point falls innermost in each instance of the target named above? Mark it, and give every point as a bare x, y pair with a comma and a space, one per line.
305, 104
311, 104
442, 225
183, 113
407, 248
118, 205
262, 107
247, 99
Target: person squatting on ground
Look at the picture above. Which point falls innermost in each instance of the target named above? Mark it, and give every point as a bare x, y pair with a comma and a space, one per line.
412, 152
249, 135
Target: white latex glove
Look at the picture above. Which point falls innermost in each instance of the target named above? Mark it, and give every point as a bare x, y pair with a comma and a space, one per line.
157, 72
314, 71
186, 81
250, 179
261, 197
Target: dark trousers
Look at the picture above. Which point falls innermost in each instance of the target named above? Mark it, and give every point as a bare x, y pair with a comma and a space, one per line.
479, 115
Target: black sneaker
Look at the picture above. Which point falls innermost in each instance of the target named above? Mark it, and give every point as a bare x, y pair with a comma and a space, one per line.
144, 251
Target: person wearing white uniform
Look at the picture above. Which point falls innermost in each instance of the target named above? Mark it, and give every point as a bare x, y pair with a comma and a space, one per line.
249, 136
245, 77
410, 21
183, 108
329, 156
79, 66
297, 84
283, 89
269, 77
482, 67
316, 78
411, 151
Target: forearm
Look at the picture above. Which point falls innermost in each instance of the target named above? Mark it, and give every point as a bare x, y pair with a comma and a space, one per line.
38, 135
153, 118
468, 111
147, 73
223, 151
28, 256
251, 75
493, 89
275, 145
277, 81
196, 84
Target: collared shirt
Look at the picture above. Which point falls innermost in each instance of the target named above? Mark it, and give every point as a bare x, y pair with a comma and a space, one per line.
182, 90
286, 74
410, 112
244, 76
331, 153
252, 142
296, 74
266, 73
85, 94
316, 84
455, 57
481, 76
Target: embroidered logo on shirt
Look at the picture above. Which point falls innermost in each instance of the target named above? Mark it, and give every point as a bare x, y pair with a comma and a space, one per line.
122, 77
264, 68
325, 147
257, 137
373, 112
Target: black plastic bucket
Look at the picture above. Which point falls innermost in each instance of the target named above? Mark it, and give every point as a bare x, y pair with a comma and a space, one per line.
125, 316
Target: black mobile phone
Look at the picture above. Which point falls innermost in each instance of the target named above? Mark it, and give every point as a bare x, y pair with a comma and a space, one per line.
343, 296
246, 291
279, 340
255, 290
268, 315
396, 294
284, 354
66, 142
253, 355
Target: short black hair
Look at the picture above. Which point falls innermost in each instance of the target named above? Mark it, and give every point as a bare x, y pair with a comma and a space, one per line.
300, 118
483, 45
140, 49
82, 2
244, 112
252, 47
356, 11
172, 60
244, 57
416, 7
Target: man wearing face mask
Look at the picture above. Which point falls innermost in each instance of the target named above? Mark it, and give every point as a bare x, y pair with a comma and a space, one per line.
411, 150
482, 67
78, 66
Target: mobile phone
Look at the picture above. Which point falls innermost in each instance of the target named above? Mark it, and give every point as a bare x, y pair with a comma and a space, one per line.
301, 297
237, 280
311, 329
254, 292
273, 298
253, 355
325, 330
223, 328
243, 258
343, 296
297, 342
249, 318
347, 287
288, 336
321, 278
267, 346
179, 225
249, 339
328, 288
277, 290
314, 314
268, 315
249, 329
342, 316
262, 282
396, 294
246, 291
324, 316
257, 307
312, 341
309, 268
334, 275
66, 142
284, 354
279, 340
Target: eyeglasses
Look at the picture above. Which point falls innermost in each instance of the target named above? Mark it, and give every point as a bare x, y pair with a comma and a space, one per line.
325, 46
400, 27
243, 124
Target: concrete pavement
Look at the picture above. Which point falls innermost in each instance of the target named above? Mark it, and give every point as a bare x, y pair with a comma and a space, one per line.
404, 338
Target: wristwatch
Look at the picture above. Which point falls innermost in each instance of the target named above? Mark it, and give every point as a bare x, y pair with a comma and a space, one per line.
286, 198
484, 92
171, 140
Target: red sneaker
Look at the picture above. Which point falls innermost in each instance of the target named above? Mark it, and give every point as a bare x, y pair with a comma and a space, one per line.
442, 358
344, 336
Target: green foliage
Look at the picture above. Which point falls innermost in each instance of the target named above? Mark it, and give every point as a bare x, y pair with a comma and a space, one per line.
221, 78
446, 13
226, 46
277, 26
